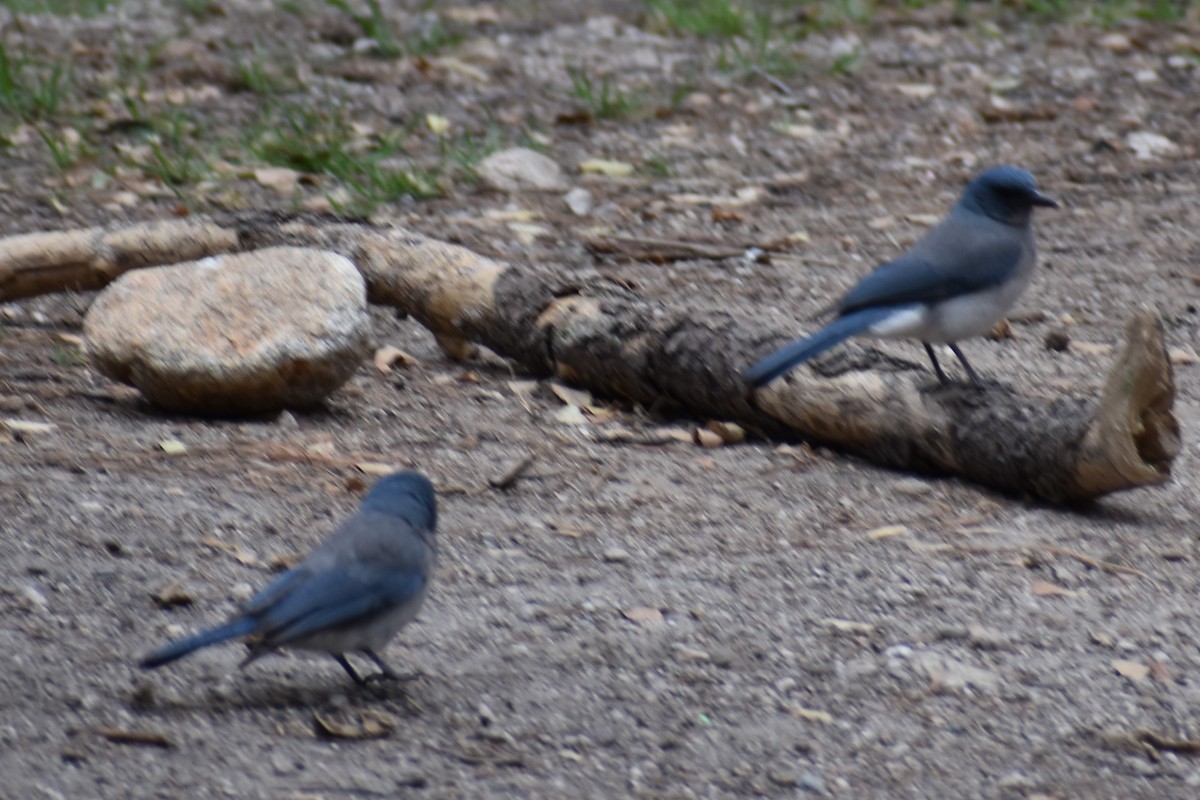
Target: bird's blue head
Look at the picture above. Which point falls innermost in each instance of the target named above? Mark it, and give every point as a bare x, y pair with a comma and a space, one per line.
1007, 194
407, 495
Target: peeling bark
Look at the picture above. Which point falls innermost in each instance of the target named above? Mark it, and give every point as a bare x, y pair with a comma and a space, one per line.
600, 336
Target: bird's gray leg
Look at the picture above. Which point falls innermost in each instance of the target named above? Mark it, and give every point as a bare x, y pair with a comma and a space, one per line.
386, 672
354, 676
936, 366
974, 376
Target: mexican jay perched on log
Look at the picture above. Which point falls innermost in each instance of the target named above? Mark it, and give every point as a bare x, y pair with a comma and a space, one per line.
957, 281
354, 592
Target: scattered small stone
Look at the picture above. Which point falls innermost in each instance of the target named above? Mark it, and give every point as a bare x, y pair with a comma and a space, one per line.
1014, 781
1116, 42
691, 654
811, 782
948, 674
519, 168
579, 200
1058, 341
1147, 145
785, 778
616, 555
985, 638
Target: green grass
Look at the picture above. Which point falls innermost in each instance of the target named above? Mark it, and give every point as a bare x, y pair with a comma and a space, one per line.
433, 34
603, 100
319, 139
709, 18
264, 74
62, 8
33, 88
173, 141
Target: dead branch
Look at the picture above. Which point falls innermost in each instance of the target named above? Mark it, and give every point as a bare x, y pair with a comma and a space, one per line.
598, 335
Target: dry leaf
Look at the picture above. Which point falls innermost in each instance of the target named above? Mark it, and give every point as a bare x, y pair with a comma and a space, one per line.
1134, 670
123, 736
849, 626
387, 357
437, 124
579, 398
730, 432
528, 232
460, 67
281, 180
369, 724
797, 131
172, 447
886, 532
1181, 356
607, 167
1091, 348
512, 215
69, 338
1047, 589
810, 714
570, 415
1158, 670
375, 468
473, 15
173, 594
920, 91
245, 557
643, 615
19, 427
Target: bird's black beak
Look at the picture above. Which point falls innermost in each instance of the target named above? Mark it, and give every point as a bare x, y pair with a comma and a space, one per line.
1039, 199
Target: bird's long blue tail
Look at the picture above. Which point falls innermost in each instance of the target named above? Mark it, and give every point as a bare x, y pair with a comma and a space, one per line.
182, 647
836, 332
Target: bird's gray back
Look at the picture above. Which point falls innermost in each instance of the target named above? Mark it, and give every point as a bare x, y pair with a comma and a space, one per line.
965, 253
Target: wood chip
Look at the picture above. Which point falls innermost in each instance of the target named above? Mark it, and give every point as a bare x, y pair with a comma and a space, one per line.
886, 532
1134, 670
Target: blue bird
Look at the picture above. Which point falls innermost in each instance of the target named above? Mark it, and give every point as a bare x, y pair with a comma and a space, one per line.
957, 281
353, 593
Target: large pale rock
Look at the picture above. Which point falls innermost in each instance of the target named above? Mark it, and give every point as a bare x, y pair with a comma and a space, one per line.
520, 168
246, 333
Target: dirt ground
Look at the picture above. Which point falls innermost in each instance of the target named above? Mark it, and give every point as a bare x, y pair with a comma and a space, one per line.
632, 619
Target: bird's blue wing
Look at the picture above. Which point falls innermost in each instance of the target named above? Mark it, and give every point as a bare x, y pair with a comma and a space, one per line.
274, 590
957, 257
335, 598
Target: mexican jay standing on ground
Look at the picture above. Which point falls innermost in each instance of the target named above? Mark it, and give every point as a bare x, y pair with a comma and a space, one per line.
354, 592
957, 281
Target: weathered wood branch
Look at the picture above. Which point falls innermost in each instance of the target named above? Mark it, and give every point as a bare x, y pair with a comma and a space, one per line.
596, 334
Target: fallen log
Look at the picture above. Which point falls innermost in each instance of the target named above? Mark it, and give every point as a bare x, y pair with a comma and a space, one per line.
599, 335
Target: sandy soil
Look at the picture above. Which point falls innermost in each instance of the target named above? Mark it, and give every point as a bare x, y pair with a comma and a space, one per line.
634, 620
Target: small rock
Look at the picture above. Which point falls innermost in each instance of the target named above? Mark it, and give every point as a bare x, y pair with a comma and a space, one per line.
692, 654
284, 764
811, 782
1116, 42
781, 777
948, 674
616, 555
1147, 145
1058, 341
236, 334
1014, 781
520, 168
986, 638
33, 597
579, 200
